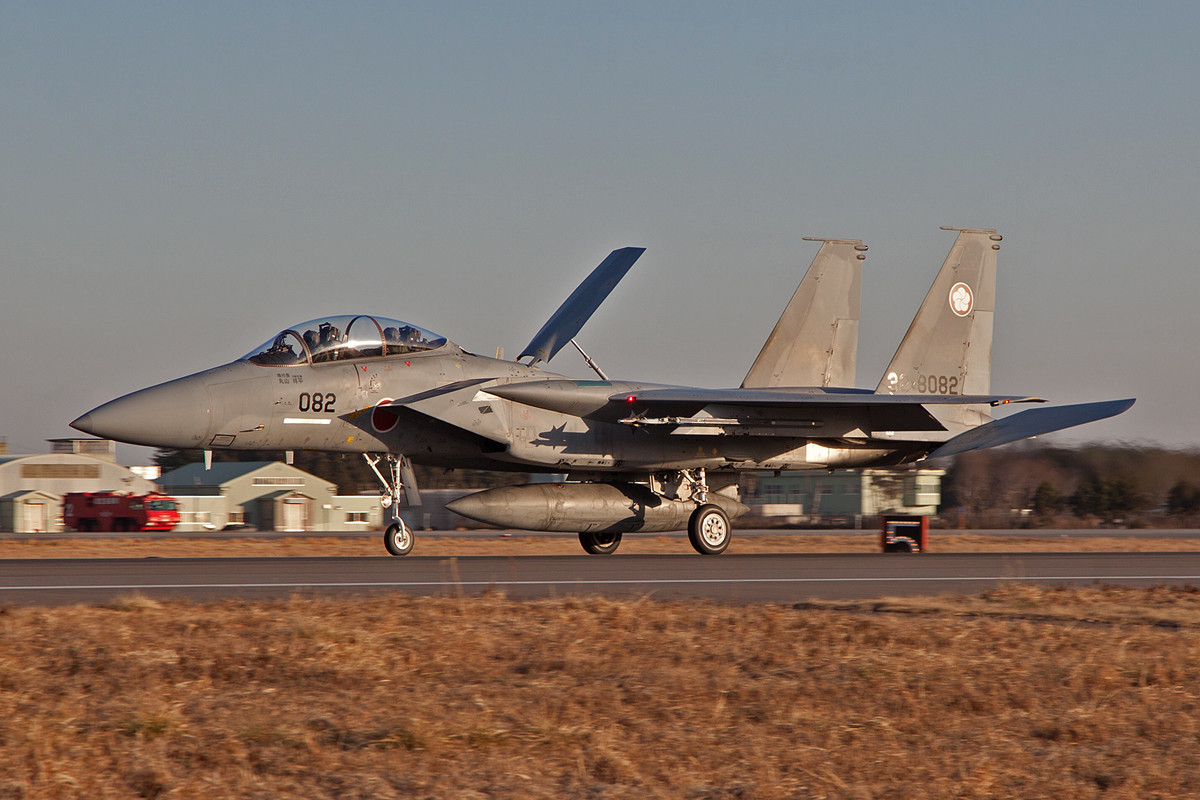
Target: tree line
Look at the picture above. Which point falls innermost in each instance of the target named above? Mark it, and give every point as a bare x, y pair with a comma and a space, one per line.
1043, 486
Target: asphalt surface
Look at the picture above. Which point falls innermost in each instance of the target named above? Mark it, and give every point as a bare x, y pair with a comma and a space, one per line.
727, 578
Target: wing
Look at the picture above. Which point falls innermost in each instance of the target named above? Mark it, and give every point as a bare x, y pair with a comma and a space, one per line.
814, 397
763, 412
783, 412
579, 307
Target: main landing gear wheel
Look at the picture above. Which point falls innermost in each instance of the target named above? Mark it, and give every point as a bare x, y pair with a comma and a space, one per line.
708, 530
599, 543
398, 539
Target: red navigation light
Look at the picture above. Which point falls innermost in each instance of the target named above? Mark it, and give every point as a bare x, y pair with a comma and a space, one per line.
631, 399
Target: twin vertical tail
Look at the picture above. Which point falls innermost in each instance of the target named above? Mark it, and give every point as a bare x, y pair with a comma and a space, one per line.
815, 342
948, 347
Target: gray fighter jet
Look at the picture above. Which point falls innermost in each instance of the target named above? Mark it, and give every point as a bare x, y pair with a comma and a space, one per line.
638, 456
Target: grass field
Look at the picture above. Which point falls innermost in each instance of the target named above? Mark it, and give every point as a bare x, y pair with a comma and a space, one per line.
1020, 692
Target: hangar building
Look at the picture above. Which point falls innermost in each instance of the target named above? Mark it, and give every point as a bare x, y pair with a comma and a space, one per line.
267, 495
32, 486
845, 497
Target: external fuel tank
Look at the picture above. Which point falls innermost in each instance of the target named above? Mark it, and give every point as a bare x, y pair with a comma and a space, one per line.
584, 507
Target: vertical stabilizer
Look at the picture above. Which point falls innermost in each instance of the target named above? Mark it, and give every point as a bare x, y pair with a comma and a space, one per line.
815, 342
948, 347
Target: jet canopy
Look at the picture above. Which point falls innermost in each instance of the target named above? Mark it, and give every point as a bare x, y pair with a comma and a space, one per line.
343, 338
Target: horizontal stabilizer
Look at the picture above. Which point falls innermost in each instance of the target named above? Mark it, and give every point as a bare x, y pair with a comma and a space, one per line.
579, 307
1033, 422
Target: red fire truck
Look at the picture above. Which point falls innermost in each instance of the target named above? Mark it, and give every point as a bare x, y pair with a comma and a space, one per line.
115, 511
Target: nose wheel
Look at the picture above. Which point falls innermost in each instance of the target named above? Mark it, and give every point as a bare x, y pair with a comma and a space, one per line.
398, 539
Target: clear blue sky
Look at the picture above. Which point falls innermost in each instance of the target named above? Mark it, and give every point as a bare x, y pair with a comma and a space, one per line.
180, 181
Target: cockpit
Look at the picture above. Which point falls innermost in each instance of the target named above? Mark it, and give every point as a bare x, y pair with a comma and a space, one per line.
343, 338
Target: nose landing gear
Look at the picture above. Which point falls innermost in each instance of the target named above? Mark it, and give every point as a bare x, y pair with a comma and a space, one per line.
398, 538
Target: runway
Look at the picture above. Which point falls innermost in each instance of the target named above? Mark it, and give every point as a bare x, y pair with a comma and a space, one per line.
729, 578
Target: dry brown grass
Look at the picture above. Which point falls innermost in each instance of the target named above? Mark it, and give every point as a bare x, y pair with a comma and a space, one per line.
537, 545
594, 698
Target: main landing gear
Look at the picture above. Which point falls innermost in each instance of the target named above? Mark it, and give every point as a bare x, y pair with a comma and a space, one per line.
398, 538
599, 543
708, 525
708, 530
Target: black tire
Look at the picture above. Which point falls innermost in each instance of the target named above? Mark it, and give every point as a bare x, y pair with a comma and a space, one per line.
598, 543
398, 539
709, 530
902, 544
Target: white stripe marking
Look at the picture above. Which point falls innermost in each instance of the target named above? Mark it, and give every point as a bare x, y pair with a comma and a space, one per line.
304, 421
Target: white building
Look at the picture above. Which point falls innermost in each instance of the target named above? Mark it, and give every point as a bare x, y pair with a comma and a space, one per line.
32, 486
267, 495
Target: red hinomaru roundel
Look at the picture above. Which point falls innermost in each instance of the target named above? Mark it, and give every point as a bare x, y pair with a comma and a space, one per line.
383, 419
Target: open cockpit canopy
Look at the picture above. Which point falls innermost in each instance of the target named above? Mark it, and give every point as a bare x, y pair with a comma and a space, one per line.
343, 338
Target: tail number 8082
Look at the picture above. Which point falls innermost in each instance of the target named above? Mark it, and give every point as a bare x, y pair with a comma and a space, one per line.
924, 384
936, 384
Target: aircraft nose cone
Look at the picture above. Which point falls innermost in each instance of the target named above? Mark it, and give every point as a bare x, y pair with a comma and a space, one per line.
173, 414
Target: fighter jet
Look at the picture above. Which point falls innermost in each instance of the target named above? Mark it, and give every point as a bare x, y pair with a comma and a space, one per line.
638, 456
